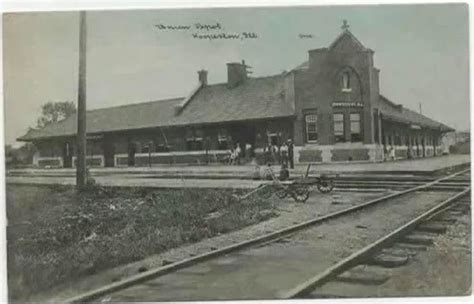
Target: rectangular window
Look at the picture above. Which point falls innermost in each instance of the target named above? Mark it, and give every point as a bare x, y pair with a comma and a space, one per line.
161, 148
189, 139
311, 128
222, 140
338, 127
194, 140
273, 138
355, 127
198, 140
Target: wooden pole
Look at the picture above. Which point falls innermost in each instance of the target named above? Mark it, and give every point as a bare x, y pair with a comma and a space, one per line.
81, 177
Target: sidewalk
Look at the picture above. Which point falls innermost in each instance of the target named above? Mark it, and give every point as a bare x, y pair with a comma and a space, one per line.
415, 167
232, 176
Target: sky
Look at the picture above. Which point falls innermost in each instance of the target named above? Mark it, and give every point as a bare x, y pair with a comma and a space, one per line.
421, 50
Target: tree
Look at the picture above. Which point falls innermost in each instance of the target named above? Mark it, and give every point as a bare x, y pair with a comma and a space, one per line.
20, 156
55, 111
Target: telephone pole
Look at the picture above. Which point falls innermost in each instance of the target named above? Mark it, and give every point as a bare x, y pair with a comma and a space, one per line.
81, 177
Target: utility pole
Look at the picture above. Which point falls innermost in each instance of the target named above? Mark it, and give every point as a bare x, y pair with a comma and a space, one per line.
420, 107
81, 177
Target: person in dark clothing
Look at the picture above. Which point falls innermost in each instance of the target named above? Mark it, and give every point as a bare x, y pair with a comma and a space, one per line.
291, 154
284, 173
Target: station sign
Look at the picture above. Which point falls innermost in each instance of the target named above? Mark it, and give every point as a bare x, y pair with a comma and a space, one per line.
348, 104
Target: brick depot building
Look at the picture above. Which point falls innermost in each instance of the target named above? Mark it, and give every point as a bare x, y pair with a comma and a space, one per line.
330, 106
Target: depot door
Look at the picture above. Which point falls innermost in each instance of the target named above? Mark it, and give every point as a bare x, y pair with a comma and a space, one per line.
67, 155
132, 149
109, 153
243, 134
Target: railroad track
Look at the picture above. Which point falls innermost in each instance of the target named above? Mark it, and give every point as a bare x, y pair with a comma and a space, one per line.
393, 250
399, 185
283, 264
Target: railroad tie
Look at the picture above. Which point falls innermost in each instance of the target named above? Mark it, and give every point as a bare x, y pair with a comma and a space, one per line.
432, 227
446, 218
399, 251
423, 238
364, 274
452, 212
389, 260
410, 247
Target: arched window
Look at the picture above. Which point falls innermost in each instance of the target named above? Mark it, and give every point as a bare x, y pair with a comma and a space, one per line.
346, 81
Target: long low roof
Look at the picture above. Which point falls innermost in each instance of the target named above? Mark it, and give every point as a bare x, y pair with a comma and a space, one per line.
397, 112
256, 98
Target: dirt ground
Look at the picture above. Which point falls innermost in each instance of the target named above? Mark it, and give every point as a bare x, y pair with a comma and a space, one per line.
444, 269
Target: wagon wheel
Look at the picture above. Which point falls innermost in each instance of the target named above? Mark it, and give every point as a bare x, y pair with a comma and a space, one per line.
300, 194
325, 186
282, 193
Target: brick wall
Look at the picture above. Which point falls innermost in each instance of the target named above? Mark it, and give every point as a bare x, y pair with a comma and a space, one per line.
320, 86
350, 155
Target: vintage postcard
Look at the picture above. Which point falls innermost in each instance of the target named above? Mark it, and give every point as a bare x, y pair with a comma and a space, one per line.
237, 153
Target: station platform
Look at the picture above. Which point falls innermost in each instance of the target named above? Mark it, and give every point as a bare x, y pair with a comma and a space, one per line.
420, 166
415, 166
235, 176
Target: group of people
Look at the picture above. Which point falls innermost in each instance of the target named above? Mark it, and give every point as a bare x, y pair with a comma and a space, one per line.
283, 154
236, 154
389, 152
273, 154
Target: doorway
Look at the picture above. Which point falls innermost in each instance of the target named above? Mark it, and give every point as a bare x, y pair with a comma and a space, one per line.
67, 155
243, 134
132, 149
109, 153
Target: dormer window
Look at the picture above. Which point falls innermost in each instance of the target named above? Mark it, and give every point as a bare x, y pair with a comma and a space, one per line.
346, 82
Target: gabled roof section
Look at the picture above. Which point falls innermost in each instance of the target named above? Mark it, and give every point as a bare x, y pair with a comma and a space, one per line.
398, 113
256, 98
185, 101
346, 41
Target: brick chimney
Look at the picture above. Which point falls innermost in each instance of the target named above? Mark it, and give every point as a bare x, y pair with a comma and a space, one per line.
236, 73
202, 76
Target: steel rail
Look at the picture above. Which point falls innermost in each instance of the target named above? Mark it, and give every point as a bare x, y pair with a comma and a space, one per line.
154, 273
362, 254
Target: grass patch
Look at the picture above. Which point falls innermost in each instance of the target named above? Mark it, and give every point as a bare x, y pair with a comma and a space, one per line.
56, 235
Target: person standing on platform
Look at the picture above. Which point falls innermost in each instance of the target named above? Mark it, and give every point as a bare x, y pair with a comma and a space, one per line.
231, 157
291, 154
248, 152
274, 150
284, 154
238, 153
392, 153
